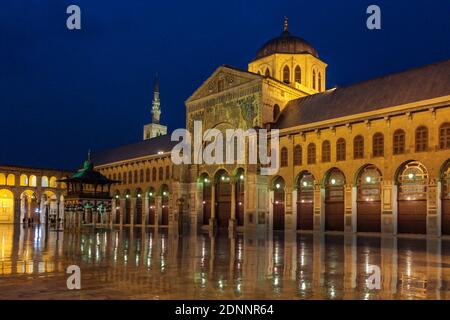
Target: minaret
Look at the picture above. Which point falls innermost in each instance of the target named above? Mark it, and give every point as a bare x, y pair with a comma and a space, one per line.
156, 111
155, 129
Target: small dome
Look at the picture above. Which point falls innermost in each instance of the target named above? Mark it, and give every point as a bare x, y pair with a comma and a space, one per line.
286, 43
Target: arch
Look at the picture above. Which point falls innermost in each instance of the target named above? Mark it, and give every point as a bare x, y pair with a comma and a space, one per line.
276, 112
205, 182
326, 151
222, 181
147, 175
6, 206
49, 207
52, 182
286, 74
445, 197
239, 180
334, 181
164, 192
368, 200
23, 180
305, 200
444, 136
278, 205
151, 198
358, 147
398, 142
29, 209
298, 155
421, 139
378, 144
340, 149
2, 179
141, 175
11, 180
130, 177
412, 181
298, 74
284, 157
311, 156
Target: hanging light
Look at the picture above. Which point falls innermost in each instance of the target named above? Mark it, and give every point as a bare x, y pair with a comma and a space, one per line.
278, 186
305, 183
410, 175
241, 177
333, 181
139, 195
368, 179
206, 180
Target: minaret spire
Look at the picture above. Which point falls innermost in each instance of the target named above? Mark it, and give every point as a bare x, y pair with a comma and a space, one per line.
156, 104
285, 24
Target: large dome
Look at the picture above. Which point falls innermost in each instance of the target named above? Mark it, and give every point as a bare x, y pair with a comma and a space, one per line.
286, 43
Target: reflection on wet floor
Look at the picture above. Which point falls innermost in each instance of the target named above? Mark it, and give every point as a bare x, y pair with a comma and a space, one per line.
153, 264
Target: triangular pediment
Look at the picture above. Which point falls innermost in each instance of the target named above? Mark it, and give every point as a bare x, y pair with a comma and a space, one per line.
224, 78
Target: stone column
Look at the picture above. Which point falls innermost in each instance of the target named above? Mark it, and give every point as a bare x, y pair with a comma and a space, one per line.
319, 208
354, 212
232, 223
132, 211
433, 223
146, 211
288, 209
348, 208
212, 220
158, 210
388, 207
294, 210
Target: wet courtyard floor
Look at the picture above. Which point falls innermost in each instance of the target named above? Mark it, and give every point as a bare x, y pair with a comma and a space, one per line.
153, 264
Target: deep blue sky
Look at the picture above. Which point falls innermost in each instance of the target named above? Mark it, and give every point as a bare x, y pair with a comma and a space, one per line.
63, 92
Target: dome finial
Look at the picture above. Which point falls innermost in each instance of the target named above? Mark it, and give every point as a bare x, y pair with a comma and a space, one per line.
285, 25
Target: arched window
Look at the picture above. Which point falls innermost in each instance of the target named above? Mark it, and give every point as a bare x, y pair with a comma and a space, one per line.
119, 177
421, 139
44, 181
358, 147
320, 82
167, 172
314, 79
311, 153
267, 74
161, 173
136, 176
276, 112
398, 141
23, 180
52, 182
286, 74
444, 136
141, 175
147, 175
130, 177
326, 151
378, 144
2, 179
340, 149
154, 174
125, 178
33, 181
298, 74
11, 180
284, 157
298, 155
114, 176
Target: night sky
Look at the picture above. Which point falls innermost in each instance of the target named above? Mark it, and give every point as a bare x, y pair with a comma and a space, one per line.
63, 92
